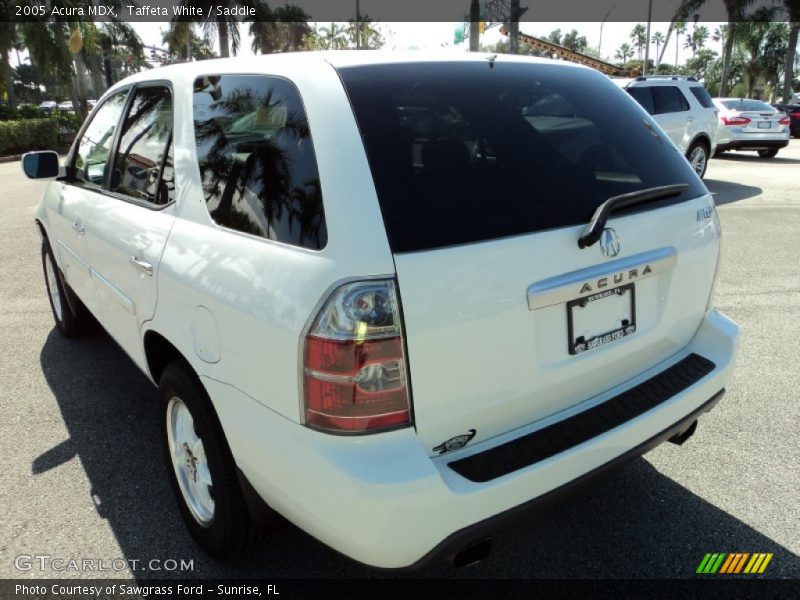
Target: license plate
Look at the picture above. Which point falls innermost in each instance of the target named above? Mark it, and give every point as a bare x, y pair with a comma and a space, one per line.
601, 318
764, 125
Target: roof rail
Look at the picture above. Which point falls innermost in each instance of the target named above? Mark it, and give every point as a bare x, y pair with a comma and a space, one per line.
673, 77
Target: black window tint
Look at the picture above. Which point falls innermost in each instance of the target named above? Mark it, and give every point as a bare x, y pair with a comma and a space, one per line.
668, 99
460, 152
94, 146
744, 104
257, 162
643, 96
144, 141
702, 96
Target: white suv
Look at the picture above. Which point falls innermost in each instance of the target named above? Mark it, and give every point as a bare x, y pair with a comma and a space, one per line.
396, 299
683, 109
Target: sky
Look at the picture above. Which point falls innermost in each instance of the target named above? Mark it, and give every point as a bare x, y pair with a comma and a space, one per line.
429, 36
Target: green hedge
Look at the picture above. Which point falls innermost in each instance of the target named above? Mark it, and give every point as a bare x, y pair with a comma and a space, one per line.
28, 134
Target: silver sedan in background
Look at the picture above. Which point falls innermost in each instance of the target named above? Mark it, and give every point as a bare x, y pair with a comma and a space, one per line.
746, 124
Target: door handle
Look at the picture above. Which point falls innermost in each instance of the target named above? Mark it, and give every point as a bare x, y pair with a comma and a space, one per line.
78, 228
689, 119
141, 264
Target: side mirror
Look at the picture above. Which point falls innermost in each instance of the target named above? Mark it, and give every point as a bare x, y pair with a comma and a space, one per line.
40, 165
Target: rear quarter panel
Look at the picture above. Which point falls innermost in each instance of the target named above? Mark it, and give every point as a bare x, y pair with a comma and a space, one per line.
260, 294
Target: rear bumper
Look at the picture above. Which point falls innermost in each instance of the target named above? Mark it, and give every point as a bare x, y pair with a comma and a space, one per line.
383, 501
764, 144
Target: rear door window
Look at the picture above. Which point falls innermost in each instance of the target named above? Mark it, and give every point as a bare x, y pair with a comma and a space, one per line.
644, 96
256, 157
669, 99
461, 152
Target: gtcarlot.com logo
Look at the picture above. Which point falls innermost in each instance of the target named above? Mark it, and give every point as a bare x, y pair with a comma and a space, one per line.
45, 562
734, 563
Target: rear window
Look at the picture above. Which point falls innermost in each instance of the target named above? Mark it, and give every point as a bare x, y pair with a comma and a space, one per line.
461, 152
744, 105
699, 92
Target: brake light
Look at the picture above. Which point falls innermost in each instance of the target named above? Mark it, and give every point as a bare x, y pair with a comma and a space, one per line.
735, 120
785, 121
354, 372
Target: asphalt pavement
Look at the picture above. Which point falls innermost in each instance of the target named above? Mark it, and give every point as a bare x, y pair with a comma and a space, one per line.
81, 473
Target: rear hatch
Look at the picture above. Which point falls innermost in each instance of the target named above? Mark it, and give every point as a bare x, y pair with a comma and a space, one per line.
486, 176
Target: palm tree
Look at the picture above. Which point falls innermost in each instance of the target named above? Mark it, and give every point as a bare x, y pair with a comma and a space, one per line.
178, 38
623, 52
333, 37
363, 34
735, 10
226, 28
47, 48
680, 29
8, 38
281, 30
697, 39
639, 37
700, 36
793, 12
658, 39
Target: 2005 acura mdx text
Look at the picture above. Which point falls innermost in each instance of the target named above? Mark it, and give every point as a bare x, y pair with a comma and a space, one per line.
395, 298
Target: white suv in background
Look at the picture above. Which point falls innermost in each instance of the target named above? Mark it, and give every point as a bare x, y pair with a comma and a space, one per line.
395, 298
683, 109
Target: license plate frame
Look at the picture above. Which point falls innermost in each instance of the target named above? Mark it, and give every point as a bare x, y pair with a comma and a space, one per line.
580, 345
764, 125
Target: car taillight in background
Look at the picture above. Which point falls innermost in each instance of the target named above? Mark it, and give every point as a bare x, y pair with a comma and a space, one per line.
785, 121
735, 120
354, 373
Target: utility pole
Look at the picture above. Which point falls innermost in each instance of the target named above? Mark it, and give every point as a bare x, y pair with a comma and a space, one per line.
358, 25
474, 25
647, 41
603, 22
513, 28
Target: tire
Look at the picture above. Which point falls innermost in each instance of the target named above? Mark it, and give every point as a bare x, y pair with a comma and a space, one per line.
697, 155
70, 323
768, 153
216, 515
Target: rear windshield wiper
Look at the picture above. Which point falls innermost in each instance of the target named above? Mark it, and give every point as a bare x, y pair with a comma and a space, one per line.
591, 233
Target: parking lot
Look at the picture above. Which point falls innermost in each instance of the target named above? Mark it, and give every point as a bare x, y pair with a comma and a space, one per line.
81, 472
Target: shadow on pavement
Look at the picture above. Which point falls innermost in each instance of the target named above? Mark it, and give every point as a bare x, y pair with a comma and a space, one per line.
639, 523
754, 157
725, 192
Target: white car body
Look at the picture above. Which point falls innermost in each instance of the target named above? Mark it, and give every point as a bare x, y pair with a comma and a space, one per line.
695, 121
484, 325
751, 125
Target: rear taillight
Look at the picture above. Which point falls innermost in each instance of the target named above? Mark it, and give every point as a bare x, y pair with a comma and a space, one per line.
354, 373
735, 120
785, 121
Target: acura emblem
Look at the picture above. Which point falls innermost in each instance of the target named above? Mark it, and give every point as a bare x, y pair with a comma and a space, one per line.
609, 243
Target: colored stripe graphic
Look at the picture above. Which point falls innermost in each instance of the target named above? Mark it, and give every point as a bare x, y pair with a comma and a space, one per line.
764, 564
730, 564
734, 563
